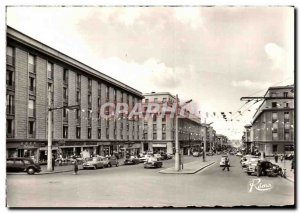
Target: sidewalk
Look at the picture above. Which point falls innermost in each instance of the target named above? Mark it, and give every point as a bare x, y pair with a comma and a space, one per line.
189, 168
285, 164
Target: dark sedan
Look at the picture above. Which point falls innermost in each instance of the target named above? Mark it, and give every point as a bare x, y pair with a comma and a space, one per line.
22, 165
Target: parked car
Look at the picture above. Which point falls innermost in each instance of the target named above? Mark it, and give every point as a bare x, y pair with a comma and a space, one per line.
251, 160
132, 160
289, 157
239, 154
22, 165
209, 153
158, 156
144, 158
245, 157
153, 162
94, 163
170, 156
267, 168
222, 161
196, 154
113, 161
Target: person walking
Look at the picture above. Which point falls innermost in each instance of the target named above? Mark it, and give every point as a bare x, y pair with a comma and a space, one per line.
75, 167
293, 165
258, 170
281, 158
226, 164
53, 163
276, 158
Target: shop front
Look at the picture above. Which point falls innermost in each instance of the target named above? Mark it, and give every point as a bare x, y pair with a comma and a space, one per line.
159, 147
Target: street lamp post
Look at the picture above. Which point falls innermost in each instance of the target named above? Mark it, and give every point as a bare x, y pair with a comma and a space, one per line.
177, 156
50, 109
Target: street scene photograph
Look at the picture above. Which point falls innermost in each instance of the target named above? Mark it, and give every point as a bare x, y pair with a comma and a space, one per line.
150, 106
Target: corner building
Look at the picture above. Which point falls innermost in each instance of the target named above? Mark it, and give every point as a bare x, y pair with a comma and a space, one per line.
32, 70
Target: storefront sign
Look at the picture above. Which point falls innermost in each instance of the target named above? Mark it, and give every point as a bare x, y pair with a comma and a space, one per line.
159, 145
74, 143
91, 143
27, 145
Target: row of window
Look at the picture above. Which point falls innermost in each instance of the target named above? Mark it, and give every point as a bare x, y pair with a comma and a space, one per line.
164, 100
275, 105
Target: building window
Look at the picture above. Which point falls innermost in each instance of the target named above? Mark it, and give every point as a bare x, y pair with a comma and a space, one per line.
145, 135
164, 118
78, 96
9, 128
275, 126
286, 136
77, 132
154, 127
9, 55
274, 104
65, 93
31, 108
50, 68
99, 133
31, 127
89, 84
115, 95
89, 100
155, 100
31, 84
286, 126
164, 100
146, 100
286, 105
107, 133
10, 78
274, 136
164, 127
65, 76
154, 136
31, 63
65, 113
285, 94
274, 116
164, 136
65, 131
107, 93
154, 117
286, 116
89, 133
10, 109
78, 112
78, 80
274, 148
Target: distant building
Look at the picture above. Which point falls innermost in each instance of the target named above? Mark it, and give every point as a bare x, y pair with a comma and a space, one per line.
273, 122
159, 128
248, 139
221, 141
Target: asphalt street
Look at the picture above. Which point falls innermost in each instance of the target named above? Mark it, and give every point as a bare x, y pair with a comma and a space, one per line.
134, 186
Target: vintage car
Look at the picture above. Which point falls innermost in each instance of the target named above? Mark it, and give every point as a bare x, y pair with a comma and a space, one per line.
113, 161
22, 165
196, 154
158, 156
209, 153
267, 169
153, 162
131, 160
222, 161
94, 163
248, 161
144, 158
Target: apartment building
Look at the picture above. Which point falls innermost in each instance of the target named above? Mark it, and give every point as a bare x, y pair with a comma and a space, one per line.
273, 122
38, 76
159, 128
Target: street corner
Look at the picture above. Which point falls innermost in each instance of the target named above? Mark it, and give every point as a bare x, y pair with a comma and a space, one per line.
189, 168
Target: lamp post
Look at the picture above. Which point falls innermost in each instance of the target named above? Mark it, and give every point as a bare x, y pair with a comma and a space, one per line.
50, 109
177, 156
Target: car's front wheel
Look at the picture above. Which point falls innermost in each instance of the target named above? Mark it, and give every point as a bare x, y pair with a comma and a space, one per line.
30, 171
249, 173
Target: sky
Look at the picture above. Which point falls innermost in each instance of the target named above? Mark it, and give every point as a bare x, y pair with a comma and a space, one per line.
212, 55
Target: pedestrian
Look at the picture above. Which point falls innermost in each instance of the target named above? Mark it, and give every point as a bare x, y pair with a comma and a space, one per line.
281, 158
226, 165
293, 165
75, 167
276, 157
53, 163
258, 170
264, 155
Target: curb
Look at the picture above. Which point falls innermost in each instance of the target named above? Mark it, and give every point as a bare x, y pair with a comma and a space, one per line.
187, 173
41, 173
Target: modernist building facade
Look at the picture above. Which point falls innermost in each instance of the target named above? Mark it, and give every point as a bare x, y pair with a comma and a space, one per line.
159, 128
273, 122
34, 69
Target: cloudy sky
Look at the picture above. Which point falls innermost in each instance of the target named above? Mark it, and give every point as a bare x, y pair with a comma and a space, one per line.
213, 55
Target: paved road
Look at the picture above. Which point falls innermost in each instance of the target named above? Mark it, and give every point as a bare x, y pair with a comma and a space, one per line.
135, 186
